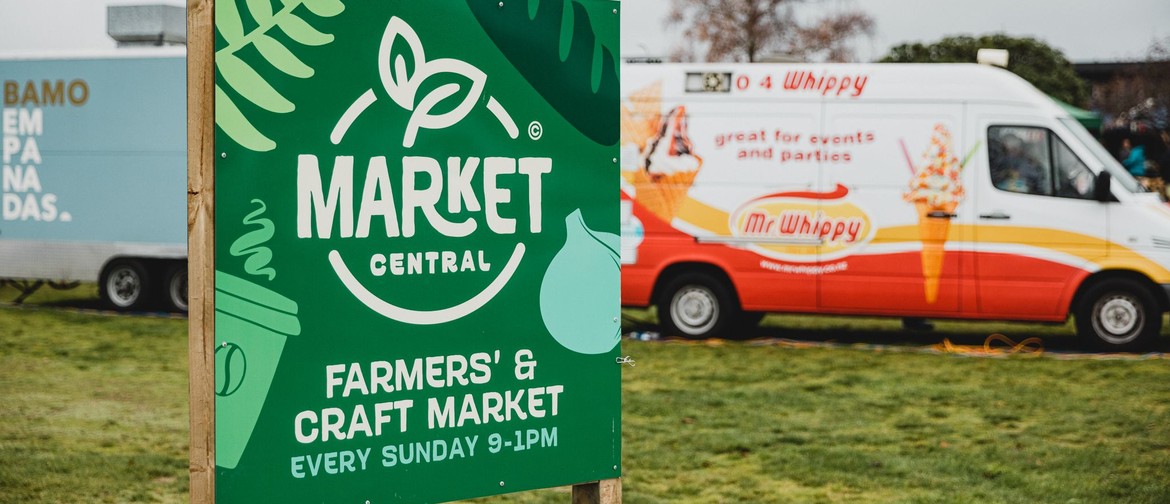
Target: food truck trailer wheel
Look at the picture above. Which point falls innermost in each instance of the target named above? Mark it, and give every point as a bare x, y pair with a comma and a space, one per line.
176, 287
1118, 315
696, 305
123, 284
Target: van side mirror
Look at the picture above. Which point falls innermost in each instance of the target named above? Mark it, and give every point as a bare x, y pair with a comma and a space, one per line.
1102, 187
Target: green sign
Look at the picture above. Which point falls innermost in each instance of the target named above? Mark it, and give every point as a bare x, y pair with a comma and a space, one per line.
416, 218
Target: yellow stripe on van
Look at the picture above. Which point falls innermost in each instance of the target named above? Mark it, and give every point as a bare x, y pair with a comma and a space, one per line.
704, 216
1065, 242
715, 221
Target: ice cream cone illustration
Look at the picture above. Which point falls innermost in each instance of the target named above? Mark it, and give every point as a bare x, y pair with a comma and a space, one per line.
935, 190
642, 116
933, 233
670, 166
658, 159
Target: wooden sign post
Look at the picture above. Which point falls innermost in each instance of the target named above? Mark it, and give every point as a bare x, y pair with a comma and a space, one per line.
403, 227
200, 245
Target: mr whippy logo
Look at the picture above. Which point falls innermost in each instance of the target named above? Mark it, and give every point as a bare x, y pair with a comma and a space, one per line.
320, 206
803, 226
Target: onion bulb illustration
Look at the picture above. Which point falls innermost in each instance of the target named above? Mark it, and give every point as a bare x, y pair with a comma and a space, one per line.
580, 291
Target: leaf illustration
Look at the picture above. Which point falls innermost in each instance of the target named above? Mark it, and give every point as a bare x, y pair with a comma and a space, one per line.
281, 58
569, 58
597, 69
422, 116
566, 41
301, 31
229, 118
245, 80
398, 80
261, 11
228, 22
324, 8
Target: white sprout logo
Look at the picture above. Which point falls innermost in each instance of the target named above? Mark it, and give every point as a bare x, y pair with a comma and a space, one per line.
402, 86
402, 79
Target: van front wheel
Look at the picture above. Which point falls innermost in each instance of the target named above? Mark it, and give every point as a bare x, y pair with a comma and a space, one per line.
696, 305
123, 284
1118, 315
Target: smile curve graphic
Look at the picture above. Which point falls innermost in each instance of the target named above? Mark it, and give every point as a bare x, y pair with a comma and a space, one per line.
419, 317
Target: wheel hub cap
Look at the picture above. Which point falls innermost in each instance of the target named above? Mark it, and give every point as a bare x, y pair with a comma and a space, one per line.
1119, 315
695, 309
126, 286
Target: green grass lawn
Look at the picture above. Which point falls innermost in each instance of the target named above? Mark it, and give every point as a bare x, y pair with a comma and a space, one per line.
94, 410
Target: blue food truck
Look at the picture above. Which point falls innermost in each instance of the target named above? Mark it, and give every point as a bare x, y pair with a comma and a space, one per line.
93, 187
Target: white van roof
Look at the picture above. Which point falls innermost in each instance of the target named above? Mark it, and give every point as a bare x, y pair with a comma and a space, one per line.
870, 82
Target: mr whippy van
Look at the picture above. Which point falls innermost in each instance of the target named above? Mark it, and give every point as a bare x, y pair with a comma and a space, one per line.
941, 191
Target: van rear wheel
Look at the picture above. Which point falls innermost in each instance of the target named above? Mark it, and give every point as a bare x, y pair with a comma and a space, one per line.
697, 305
1118, 315
176, 287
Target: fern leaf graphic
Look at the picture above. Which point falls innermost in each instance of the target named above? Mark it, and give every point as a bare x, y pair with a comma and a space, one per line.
229, 118
323, 8
282, 58
249, 82
228, 22
566, 40
570, 59
261, 11
569, 26
302, 32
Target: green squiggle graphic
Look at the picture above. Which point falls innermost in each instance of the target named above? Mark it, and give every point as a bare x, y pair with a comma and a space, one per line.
250, 244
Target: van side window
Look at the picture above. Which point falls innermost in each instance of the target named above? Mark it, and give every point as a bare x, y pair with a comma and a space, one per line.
1031, 160
1073, 179
1019, 159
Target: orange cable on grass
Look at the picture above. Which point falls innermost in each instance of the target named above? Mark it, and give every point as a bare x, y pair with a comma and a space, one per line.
1029, 346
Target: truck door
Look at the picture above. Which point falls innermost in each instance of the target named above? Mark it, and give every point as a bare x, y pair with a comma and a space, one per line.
1038, 224
909, 258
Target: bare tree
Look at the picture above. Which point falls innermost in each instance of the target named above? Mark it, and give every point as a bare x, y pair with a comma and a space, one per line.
829, 39
1158, 74
746, 30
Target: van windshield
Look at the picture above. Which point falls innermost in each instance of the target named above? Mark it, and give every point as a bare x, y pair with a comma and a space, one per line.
1119, 173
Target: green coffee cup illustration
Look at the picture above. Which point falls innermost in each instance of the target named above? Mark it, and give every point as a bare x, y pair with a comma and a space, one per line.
586, 269
252, 324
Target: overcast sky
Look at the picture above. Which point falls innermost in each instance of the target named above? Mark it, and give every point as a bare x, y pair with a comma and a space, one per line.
1085, 30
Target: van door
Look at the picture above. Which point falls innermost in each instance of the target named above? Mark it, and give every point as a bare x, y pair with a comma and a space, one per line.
1038, 224
874, 154
755, 176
